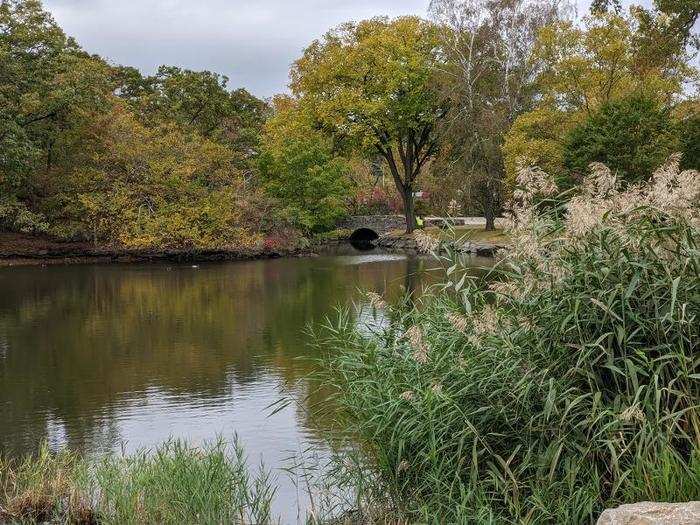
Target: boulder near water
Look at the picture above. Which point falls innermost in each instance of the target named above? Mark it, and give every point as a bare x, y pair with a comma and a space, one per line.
651, 513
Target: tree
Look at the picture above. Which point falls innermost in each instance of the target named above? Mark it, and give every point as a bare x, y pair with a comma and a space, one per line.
368, 84
147, 187
299, 167
198, 101
675, 29
584, 68
88, 150
488, 76
535, 139
32, 56
632, 136
688, 131
50, 90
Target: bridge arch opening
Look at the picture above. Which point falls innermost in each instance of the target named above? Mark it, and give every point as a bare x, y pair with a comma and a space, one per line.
364, 234
362, 238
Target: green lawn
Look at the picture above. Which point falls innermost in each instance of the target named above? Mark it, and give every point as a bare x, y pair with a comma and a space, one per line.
474, 233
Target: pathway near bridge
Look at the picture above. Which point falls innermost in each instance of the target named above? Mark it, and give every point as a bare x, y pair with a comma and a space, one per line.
383, 224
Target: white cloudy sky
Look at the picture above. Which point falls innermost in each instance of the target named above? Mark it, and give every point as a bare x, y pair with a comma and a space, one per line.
251, 41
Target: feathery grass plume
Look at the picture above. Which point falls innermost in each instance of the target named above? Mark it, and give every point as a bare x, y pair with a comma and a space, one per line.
574, 384
376, 300
453, 208
487, 322
675, 192
459, 321
600, 182
426, 243
407, 395
414, 335
508, 290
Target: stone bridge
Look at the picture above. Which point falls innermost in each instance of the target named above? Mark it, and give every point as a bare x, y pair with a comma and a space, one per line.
371, 227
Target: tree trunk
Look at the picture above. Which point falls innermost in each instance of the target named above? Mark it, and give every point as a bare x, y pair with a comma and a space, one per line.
489, 212
409, 209
404, 185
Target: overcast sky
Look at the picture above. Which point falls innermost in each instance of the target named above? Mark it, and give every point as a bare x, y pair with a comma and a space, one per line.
253, 42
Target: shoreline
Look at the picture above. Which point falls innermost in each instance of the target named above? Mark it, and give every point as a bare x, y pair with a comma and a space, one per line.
34, 250
30, 250
147, 256
407, 243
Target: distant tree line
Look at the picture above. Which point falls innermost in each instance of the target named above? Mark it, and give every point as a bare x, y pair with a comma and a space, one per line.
378, 110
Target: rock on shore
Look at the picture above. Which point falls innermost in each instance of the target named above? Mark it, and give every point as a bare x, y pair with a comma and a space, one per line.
651, 513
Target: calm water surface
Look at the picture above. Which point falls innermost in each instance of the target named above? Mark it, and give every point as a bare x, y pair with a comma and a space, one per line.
119, 357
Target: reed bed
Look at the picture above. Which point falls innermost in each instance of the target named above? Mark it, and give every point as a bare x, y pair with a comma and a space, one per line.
564, 381
173, 484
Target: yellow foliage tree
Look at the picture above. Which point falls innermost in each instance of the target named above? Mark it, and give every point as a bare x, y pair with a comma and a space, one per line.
369, 85
148, 188
584, 67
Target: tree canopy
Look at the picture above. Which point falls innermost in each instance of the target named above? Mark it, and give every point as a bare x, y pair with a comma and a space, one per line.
632, 136
92, 150
585, 71
300, 167
369, 85
487, 75
455, 104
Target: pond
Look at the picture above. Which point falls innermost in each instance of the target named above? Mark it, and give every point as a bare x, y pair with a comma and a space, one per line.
119, 357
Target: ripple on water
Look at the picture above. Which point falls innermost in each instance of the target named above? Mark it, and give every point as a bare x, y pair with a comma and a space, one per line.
371, 258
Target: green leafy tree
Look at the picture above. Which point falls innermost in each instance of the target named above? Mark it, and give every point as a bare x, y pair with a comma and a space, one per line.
132, 86
50, 91
194, 99
300, 168
584, 68
197, 101
369, 85
32, 57
632, 136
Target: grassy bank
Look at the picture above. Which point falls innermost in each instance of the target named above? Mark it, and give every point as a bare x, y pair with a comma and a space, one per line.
471, 233
564, 382
176, 483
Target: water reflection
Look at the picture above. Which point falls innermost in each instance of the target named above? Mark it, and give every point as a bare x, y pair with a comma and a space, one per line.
102, 358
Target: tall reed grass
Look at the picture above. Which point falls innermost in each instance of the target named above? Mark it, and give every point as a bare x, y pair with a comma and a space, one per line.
564, 381
175, 483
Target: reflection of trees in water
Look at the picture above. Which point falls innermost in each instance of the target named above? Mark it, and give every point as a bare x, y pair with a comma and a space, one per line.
4, 346
79, 341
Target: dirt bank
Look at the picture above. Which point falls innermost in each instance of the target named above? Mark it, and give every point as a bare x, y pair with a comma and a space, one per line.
18, 249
